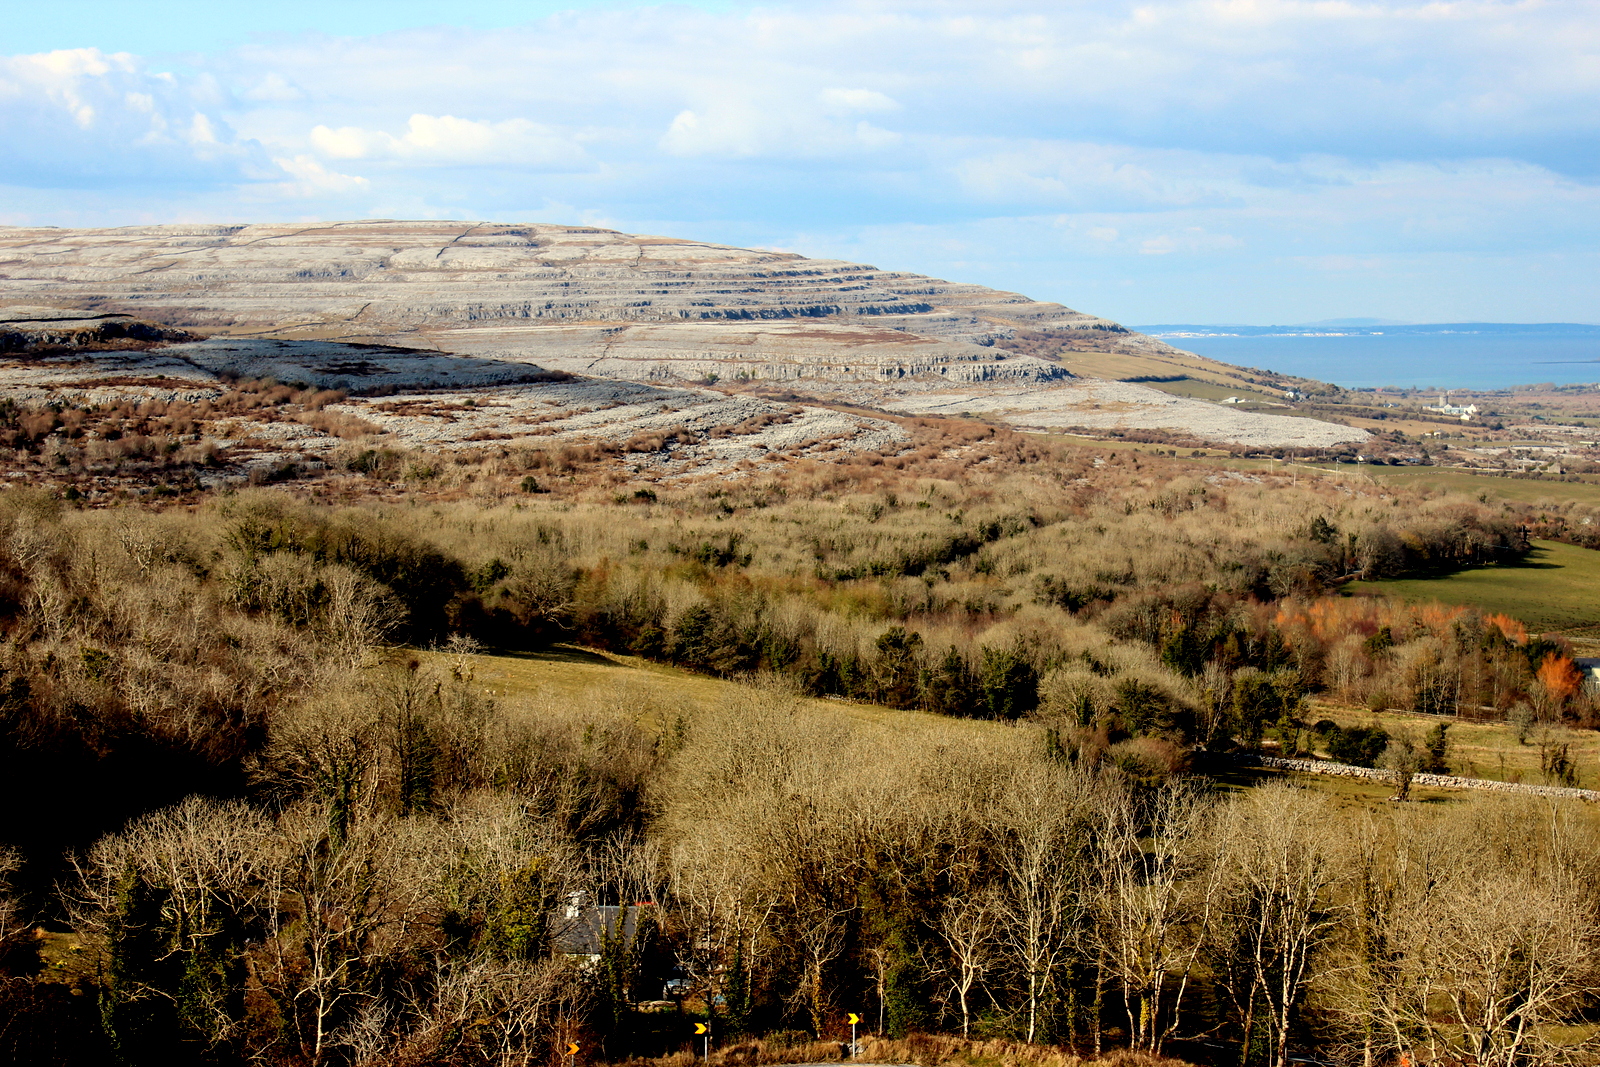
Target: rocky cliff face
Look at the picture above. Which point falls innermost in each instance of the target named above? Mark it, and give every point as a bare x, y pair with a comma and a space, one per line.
572, 298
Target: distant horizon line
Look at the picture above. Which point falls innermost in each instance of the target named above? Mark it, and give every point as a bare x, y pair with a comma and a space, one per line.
1359, 326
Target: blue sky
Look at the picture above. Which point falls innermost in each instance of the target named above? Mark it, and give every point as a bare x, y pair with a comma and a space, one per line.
1155, 161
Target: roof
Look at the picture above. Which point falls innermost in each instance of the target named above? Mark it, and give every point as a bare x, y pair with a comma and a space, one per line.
582, 930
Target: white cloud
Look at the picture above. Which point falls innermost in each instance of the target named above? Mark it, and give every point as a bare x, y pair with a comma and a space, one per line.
447, 140
1190, 239
779, 129
1095, 176
853, 100
312, 179
1157, 136
83, 118
273, 89
70, 80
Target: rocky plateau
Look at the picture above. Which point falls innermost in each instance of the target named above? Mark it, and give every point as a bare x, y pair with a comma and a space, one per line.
579, 333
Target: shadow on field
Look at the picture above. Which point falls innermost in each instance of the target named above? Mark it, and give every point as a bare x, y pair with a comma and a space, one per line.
569, 654
1231, 777
1531, 562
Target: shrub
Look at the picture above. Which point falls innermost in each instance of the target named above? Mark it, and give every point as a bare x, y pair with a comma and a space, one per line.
1357, 745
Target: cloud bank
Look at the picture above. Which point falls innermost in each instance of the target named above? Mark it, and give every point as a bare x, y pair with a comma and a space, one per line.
1227, 159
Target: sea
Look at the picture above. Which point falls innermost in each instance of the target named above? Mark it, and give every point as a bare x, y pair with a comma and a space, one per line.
1456, 355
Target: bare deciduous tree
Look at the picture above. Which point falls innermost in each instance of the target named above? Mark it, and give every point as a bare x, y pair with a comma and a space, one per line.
358, 615
11, 928
1281, 851
1156, 902
351, 901
1041, 849
968, 925
723, 913
186, 884
1479, 940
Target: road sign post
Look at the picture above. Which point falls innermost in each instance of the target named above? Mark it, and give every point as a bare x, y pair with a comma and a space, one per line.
854, 1018
702, 1028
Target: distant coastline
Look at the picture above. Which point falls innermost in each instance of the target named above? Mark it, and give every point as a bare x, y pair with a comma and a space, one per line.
1452, 355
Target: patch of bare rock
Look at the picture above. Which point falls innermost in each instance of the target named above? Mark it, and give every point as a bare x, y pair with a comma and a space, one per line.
666, 431
1104, 405
432, 401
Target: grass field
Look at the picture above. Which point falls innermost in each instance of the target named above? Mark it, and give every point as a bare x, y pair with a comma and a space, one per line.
1199, 390
1483, 749
1350, 794
1557, 588
567, 677
1485, 486
1512, 490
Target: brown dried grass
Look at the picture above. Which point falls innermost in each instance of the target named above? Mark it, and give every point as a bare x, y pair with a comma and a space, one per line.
924, 1050
936, 1050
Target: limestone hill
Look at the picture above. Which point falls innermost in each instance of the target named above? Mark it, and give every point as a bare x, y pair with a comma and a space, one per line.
610, 305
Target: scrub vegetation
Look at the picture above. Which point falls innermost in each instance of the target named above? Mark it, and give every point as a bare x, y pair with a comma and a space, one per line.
944, 739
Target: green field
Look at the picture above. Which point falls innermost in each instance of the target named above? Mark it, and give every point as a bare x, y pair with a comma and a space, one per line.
1349, 794
1556, 588
1489, 486
1199, 390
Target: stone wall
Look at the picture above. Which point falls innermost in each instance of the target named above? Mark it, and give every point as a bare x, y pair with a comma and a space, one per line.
1437, 781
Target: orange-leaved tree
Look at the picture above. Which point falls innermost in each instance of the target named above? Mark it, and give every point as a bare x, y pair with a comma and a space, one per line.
1559, 678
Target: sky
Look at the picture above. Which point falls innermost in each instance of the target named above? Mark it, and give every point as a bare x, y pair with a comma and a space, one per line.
1155, 161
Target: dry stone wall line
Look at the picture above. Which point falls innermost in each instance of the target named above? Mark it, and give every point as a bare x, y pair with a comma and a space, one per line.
1437, 781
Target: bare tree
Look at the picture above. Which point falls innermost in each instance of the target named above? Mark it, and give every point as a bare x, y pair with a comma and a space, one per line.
1281, 851
1364, 980
1482, 942
351, 901
1402, 761
358, 614
813, 863
968, 926
724, 912
1040, 848
11, 928
189, 885
1156, 902
496, 1012
328, 750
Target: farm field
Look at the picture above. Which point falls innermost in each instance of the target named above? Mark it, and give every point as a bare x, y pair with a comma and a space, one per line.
1482, 749
1351, 795
569, 677
1201, 390
1490, 487
1556, 589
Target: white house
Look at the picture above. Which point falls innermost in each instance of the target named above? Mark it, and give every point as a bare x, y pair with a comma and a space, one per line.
1444, 407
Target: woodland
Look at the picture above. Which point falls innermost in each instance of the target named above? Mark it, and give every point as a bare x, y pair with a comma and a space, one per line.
982, 770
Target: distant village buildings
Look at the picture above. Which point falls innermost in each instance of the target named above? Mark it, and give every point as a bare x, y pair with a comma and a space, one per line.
1444, 407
